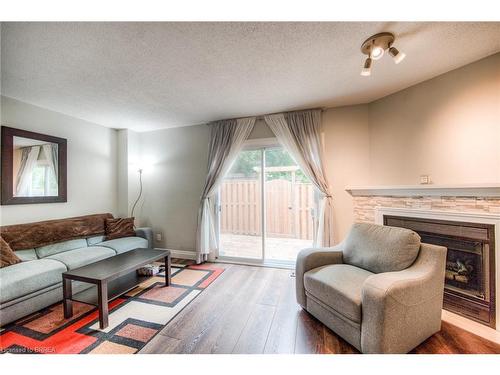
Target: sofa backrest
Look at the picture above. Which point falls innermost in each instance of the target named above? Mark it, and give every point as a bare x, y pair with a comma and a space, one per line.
60, 247
380, 248
94, 240
43, 233
26, 254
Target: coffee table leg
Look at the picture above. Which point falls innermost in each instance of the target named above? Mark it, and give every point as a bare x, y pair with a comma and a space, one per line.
168, 271
102, 295
67, 295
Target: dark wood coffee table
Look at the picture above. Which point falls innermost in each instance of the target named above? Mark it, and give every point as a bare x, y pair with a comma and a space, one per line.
112, 277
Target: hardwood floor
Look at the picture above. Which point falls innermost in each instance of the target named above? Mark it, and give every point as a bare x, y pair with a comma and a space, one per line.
253, 310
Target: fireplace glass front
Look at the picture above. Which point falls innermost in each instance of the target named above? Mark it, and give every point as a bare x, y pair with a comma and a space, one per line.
470, 263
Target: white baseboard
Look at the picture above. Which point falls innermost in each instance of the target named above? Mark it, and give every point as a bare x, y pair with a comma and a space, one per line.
268, 263
471, 326
181, 254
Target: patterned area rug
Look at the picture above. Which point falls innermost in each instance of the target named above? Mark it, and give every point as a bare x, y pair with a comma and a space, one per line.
134, 318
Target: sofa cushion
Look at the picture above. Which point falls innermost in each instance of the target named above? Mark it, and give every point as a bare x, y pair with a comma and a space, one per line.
91, 241
26, 254
379, 248
27, 277
121, 245
81, 257
119, 228
60, 247
339, 287
7, 255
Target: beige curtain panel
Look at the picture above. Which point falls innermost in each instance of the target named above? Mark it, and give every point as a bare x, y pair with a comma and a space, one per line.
29, 159
300, 134
50, 151
226, 141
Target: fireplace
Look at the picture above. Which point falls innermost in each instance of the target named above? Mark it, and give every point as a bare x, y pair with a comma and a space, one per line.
470, 263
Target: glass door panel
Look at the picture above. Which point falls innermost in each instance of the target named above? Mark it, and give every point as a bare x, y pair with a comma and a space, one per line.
289, 204
241, 203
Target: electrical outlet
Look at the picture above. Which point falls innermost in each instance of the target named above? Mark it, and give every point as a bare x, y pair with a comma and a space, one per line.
158, 237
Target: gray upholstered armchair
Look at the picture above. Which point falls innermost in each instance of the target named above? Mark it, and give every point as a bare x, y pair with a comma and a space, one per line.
380, 289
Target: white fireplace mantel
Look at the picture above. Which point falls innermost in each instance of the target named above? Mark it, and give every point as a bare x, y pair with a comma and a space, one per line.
480, 190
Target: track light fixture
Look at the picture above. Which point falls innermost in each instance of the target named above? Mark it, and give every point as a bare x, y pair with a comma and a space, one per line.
375, 46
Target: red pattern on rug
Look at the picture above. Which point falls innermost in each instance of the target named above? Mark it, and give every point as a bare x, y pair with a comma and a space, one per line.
137, 320
212, 277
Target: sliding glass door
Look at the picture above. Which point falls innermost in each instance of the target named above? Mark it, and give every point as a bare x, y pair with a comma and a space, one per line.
266, 208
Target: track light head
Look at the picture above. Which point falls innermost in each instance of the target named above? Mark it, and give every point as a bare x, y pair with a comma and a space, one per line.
396, 55
367, 68
376, 52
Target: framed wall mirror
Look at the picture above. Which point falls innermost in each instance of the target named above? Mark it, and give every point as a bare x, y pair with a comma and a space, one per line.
33, 167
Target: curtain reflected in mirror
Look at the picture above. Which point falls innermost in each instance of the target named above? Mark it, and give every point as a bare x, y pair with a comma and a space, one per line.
35, 165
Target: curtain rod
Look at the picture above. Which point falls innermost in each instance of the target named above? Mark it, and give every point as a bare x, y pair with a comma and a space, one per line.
261, 117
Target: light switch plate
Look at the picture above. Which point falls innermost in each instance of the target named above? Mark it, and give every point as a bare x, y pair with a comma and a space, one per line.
158, 237
424, 179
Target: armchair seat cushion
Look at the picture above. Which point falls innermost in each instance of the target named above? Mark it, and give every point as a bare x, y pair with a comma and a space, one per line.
339, 286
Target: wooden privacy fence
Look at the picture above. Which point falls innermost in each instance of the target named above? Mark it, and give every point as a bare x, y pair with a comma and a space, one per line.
288, 208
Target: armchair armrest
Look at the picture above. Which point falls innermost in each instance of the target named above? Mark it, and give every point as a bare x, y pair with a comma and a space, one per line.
146, 233
402, 309
311, 258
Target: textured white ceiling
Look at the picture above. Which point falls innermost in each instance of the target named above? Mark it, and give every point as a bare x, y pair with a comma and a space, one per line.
146, 76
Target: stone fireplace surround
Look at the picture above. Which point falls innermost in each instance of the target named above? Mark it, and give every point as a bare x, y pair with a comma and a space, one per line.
472, 203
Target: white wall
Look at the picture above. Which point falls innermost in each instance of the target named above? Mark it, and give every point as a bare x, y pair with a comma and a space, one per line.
261, 130
92, 163
122, 173
347, 148
447, 127
173, 183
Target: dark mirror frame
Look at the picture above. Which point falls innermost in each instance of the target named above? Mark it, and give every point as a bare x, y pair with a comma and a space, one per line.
8, 197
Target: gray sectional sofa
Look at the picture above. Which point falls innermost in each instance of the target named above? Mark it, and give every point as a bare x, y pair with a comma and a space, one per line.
35, 283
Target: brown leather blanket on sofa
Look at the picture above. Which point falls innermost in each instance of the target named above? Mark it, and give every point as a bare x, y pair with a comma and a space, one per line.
30, 235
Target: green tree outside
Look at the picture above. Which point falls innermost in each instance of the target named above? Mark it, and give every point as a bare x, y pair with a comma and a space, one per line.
247, 161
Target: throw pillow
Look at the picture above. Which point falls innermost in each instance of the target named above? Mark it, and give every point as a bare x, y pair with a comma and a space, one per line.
7, 255
119, 227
